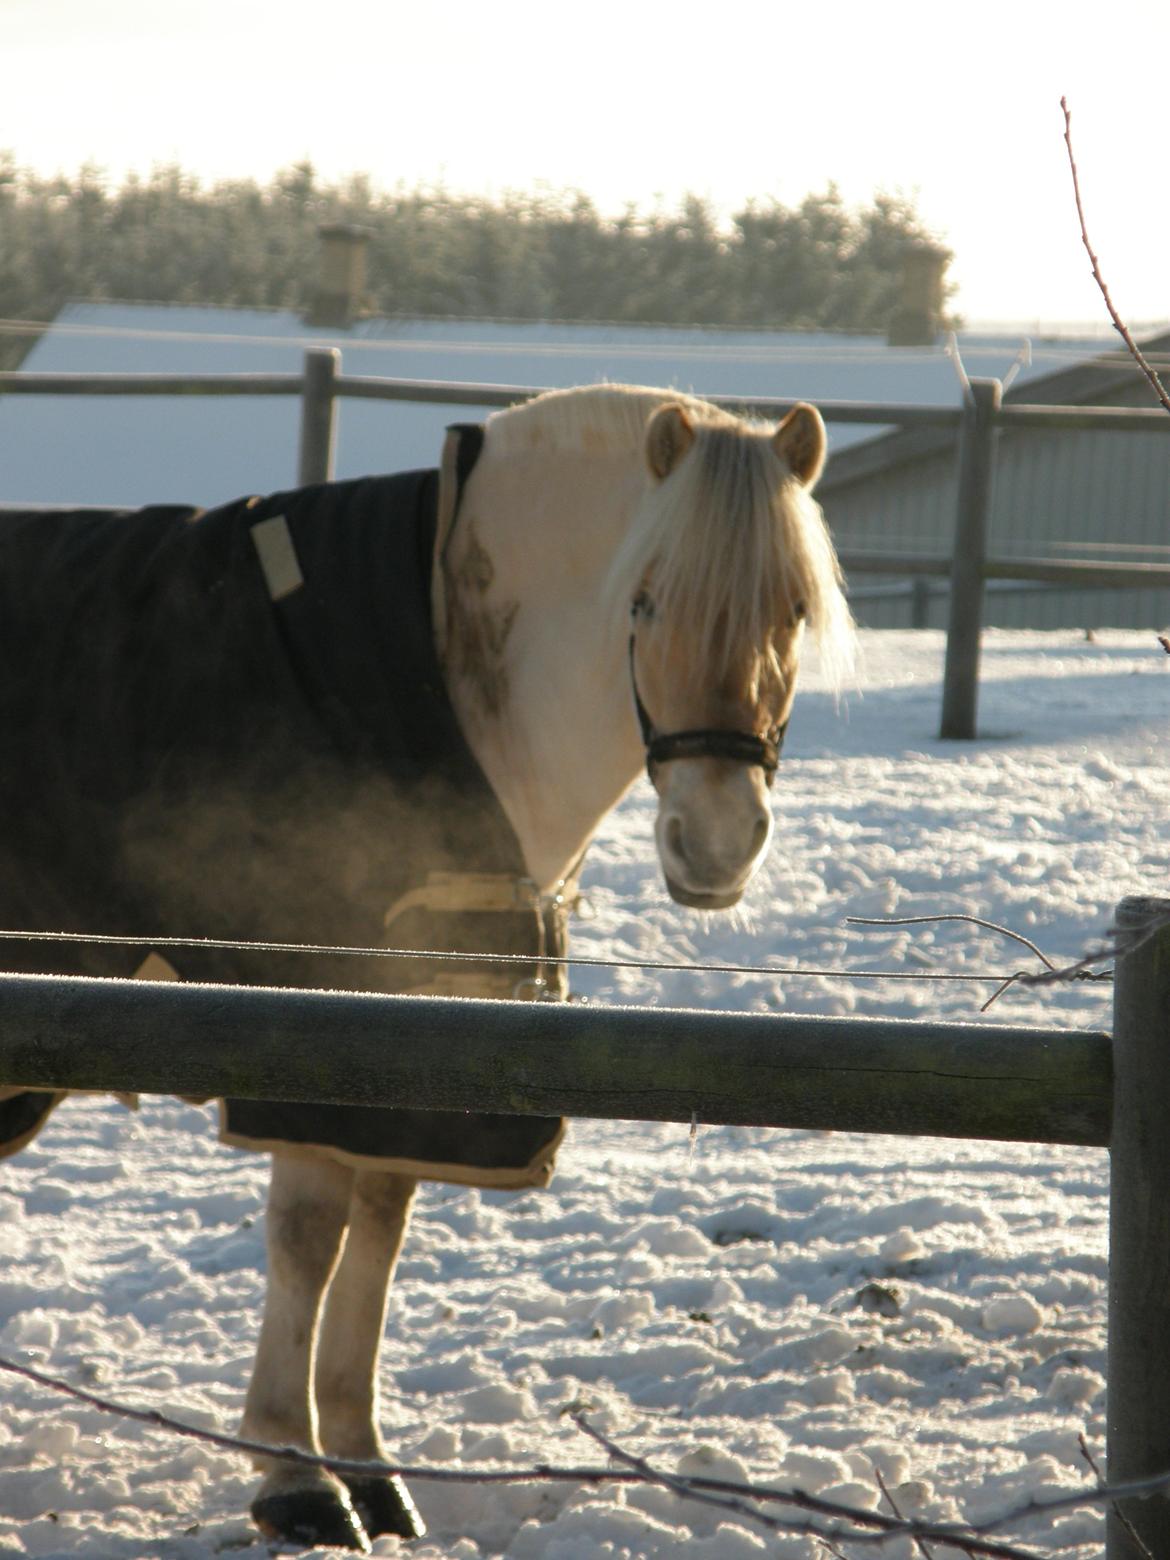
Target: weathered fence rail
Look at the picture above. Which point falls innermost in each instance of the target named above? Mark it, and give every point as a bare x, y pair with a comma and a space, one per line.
643, 1064
910, 1077
321, 385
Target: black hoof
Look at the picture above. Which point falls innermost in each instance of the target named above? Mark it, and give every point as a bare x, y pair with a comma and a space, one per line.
315, 1518
384, 1506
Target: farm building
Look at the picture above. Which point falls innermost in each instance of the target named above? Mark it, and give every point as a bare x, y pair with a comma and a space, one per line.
1057, 494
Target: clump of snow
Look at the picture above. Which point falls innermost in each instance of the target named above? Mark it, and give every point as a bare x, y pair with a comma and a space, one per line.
1012, 1314
902, 1246
1074, 1388
617, 1311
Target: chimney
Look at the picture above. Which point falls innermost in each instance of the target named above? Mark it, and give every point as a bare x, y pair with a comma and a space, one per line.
341, 282
916, 320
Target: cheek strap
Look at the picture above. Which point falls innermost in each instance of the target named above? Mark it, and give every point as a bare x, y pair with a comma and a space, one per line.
742, 747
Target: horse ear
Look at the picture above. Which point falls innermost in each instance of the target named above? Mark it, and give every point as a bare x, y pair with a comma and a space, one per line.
801, 444
669, 435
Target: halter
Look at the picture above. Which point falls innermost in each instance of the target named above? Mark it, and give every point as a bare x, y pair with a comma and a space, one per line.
742, 747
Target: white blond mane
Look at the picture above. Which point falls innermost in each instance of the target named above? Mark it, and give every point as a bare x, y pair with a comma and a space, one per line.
732, 540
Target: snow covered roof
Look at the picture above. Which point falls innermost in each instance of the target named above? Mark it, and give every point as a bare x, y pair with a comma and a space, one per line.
201, 450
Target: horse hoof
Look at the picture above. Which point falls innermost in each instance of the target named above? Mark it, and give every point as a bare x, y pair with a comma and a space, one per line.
315, 1518
384, 1506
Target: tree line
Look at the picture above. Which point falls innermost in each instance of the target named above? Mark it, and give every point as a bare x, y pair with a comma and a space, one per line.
168, 238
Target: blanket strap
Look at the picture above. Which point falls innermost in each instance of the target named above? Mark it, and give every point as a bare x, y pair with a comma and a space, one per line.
479, 892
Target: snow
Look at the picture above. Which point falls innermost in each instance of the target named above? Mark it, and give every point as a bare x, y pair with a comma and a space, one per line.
801, 1308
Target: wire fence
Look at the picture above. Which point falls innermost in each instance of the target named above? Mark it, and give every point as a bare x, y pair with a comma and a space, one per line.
684, 967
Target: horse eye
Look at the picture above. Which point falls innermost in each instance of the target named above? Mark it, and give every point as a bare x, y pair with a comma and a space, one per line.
800, 612
643, 606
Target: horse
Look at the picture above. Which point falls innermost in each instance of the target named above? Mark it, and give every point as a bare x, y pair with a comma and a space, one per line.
393, 712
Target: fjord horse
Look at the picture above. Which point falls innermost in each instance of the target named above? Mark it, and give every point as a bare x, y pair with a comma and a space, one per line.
621, 577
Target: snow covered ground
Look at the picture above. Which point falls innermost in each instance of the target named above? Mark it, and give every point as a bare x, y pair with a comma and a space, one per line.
770, 1305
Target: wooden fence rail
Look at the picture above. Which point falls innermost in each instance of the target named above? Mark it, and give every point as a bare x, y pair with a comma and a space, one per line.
321, 385
643, 1064
656, 1064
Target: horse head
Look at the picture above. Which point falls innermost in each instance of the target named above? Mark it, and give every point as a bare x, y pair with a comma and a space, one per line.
740, 562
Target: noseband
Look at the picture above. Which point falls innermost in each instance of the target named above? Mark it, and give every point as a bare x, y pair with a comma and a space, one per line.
742, 747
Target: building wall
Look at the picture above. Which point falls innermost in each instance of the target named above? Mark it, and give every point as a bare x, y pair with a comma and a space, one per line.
1058, 494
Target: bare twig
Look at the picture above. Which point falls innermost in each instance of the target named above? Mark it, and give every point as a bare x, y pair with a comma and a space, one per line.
919, 1544
830, 1548
974, 1539
946, 1534
694, 1487
1135, 1536
971, 1539
1119, 324
685, 1487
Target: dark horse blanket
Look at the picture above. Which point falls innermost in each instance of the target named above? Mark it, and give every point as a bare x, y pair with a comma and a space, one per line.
233, 724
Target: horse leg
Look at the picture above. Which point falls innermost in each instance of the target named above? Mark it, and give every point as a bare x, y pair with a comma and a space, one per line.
308, 1204
347, 1351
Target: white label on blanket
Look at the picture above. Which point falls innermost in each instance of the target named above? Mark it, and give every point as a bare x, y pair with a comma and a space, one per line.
278, 556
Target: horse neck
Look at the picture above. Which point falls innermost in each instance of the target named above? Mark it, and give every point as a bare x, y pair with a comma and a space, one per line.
535, 670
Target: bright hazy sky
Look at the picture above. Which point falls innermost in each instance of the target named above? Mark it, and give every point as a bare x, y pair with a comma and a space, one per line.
955, 105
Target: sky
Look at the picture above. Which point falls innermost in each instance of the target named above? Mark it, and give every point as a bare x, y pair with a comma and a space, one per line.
630, 102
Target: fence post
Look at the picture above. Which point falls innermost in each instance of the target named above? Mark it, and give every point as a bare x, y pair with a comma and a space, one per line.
1138, 1411
976, 452
920, 602
318, 416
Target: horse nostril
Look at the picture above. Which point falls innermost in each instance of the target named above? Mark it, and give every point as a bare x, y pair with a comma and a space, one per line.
759, 836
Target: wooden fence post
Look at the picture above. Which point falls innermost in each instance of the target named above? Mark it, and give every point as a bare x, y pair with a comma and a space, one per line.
920, 602
318, 416
1138, 1413
976, 468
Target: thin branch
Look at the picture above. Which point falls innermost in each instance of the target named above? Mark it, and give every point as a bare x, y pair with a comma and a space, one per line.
967, 1538
954, 1536
367, 1468
1138, 1542
1119, 324
919, 1544
374, 1468
685, 1487
972, 1538
831, 1549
